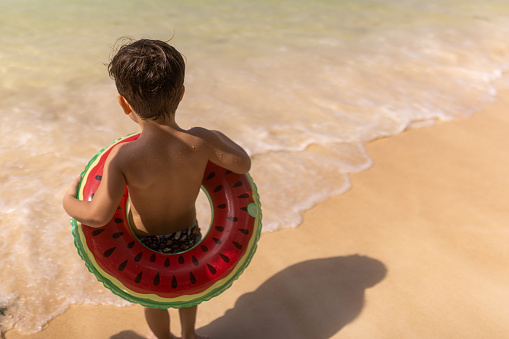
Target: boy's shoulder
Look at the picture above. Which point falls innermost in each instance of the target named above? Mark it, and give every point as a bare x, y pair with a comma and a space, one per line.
118, 152
200, 132
207, 135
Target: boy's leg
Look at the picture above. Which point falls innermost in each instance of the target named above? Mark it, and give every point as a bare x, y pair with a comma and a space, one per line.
158, 321
188, 321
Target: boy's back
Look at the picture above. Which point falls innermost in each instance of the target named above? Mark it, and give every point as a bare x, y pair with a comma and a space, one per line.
164, 171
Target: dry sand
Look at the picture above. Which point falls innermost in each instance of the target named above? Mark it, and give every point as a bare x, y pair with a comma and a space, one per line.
418, 248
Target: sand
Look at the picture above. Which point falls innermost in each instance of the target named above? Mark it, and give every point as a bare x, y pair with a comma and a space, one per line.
418, 248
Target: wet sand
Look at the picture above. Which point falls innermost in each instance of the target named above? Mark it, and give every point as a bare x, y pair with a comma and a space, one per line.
418, 248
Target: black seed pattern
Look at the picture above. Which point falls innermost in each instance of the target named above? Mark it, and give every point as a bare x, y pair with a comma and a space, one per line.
222, 206
153, 257
211, 269
174, 282
228, 172
218, 188
167, 262
118, 234
181, 260
92, 195
204, 248
220, 228
211, 175
131, 244
138, 256
138, 277
97, 232
109, 252
239, 246
98, 177
244, 231
217, 241
224, 257
238, 184
118, 220
244, 209
192, 278
234, 219
244, 196
157, 279
122, 266
195, 261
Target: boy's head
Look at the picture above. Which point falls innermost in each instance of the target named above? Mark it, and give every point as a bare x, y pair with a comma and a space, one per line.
149, 74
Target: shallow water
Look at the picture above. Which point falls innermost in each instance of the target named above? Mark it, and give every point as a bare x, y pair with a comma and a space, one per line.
302, 85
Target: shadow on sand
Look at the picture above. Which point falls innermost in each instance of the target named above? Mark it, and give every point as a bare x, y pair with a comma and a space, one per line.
313, 299
127, 335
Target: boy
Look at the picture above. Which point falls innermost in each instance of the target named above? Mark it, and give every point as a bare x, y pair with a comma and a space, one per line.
163, 169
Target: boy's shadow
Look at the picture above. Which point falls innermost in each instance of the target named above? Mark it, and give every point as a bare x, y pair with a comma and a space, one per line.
313, 299
127, 335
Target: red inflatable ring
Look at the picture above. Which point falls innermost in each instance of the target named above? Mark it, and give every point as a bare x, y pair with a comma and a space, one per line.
153, 279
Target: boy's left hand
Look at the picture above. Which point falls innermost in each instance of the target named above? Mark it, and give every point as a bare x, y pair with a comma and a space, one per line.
73, 190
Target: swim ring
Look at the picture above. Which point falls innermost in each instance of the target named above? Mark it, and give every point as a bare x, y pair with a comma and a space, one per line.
153, 279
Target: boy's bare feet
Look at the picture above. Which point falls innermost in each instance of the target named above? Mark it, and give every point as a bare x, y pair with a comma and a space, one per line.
151, 335
197, 336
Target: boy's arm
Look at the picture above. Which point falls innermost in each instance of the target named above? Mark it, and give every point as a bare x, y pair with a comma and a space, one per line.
224, 151
99, 211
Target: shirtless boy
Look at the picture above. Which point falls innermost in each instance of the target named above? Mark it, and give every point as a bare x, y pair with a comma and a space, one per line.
163, 169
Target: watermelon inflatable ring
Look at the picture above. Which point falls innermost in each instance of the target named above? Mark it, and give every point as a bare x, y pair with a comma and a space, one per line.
153, 279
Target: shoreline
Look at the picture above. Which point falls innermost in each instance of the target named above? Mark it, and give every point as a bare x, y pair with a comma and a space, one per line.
416, 246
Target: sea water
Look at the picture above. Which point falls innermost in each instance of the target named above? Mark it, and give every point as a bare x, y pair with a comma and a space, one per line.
302, 85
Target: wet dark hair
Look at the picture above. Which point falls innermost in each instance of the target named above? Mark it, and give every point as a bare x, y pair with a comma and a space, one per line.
149, 74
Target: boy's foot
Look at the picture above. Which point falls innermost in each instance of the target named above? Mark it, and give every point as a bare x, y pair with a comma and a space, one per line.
151, 335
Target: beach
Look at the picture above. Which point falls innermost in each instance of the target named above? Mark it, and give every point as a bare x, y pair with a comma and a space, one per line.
416, 248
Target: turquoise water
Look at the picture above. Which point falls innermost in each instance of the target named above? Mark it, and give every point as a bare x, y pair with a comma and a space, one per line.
302, 85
